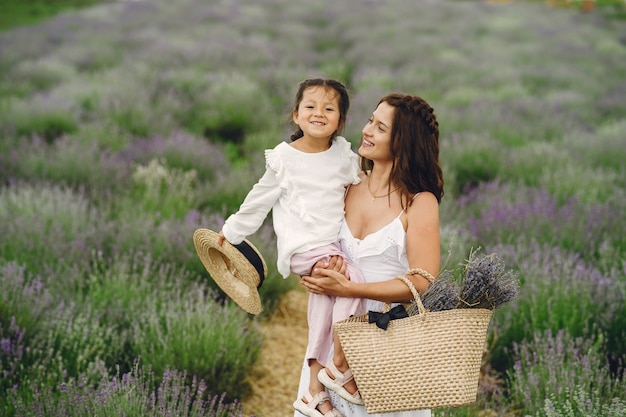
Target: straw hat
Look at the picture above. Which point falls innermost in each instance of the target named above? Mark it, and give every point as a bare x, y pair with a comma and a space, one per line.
239, 270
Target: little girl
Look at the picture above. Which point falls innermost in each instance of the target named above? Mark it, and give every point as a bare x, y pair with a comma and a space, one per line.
304, 185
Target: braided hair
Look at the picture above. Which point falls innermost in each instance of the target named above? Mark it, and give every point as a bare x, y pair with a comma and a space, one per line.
414, 147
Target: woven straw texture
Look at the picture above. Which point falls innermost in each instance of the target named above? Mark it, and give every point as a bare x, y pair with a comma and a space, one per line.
230, 269
424, 361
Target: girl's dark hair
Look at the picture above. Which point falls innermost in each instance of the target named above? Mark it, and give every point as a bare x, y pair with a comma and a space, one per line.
414, 147
338, 87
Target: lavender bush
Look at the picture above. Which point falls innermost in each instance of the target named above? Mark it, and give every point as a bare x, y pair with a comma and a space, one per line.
508, 213
541, 385
132, 393
70, 161
126, 126
560, 292
43, 225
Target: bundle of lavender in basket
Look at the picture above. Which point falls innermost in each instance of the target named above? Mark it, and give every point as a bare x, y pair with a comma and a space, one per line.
486, 283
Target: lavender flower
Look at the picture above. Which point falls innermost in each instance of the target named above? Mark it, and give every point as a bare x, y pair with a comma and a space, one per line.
442, 294
487, 283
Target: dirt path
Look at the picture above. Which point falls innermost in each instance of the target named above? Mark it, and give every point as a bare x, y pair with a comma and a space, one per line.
275, 379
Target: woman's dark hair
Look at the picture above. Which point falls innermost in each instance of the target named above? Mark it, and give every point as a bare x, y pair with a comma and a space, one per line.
330, 84
414, 147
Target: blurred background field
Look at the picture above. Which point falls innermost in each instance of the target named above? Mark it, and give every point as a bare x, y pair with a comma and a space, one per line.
126, 125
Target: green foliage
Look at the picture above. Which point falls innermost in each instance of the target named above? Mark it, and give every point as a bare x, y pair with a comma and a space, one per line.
226, 194
164, 318
121, 132
541, 385
162, 191
44, 225
24, 299
74, 339
19, 12
69, 161
41, 75
49, 125
24, 304
179, 333
578, 403
134, 104
602, 149
558, 292
134, 393
586, 184
473, 166
223, 111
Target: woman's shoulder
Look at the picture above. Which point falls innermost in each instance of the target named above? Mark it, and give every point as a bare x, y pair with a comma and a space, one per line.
424, 199
424, 205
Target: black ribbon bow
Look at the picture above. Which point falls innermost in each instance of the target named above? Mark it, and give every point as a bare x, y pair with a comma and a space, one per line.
382, 319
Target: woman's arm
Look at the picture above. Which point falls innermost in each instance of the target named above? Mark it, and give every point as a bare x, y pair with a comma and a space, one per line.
330, 282
423, 239
423, 251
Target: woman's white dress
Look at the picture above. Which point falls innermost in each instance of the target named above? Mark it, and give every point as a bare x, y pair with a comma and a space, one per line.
380, 256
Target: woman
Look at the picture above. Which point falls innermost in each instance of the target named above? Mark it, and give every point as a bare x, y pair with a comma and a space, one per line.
391, 222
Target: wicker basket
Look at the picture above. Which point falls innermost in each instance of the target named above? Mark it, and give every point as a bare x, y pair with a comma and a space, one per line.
427, 360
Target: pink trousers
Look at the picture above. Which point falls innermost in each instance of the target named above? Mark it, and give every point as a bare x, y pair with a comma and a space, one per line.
324, 310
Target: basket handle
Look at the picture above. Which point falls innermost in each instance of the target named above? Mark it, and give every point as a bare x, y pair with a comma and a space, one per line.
422, 272
416, 296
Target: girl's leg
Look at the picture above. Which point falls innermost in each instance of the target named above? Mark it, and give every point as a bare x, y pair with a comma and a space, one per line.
316, 386
339, 359
319, 314
342, 309
337, 376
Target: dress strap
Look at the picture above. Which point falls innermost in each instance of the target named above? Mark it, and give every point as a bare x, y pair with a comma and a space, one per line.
404, 209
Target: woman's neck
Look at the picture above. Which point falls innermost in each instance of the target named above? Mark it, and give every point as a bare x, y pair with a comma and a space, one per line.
379, 178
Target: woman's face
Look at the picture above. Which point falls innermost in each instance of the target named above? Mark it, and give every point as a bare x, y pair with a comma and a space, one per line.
376, 141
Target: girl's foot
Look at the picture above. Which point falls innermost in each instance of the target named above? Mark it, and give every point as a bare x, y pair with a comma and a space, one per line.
312, 406
333, 379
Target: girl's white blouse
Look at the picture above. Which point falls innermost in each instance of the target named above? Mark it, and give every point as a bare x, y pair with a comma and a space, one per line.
305, 192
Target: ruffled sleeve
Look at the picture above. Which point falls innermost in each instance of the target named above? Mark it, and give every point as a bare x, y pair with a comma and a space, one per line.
274, 162
352, 157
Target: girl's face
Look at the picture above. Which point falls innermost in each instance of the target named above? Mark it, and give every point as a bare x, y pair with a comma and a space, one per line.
376, 141
318, 113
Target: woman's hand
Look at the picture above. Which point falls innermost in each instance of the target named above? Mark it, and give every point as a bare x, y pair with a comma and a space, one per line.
327, 282
336, 263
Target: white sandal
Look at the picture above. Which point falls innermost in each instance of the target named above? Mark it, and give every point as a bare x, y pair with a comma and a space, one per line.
337, 384
309, 408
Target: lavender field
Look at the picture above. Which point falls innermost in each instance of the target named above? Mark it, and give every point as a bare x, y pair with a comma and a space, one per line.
126, 126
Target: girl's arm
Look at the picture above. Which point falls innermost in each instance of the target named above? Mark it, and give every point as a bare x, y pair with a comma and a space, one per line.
254, 209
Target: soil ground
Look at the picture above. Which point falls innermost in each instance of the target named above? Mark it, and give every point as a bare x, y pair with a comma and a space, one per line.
275, 379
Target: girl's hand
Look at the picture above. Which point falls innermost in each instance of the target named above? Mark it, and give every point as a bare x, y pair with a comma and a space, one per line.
327, 282
220, 238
